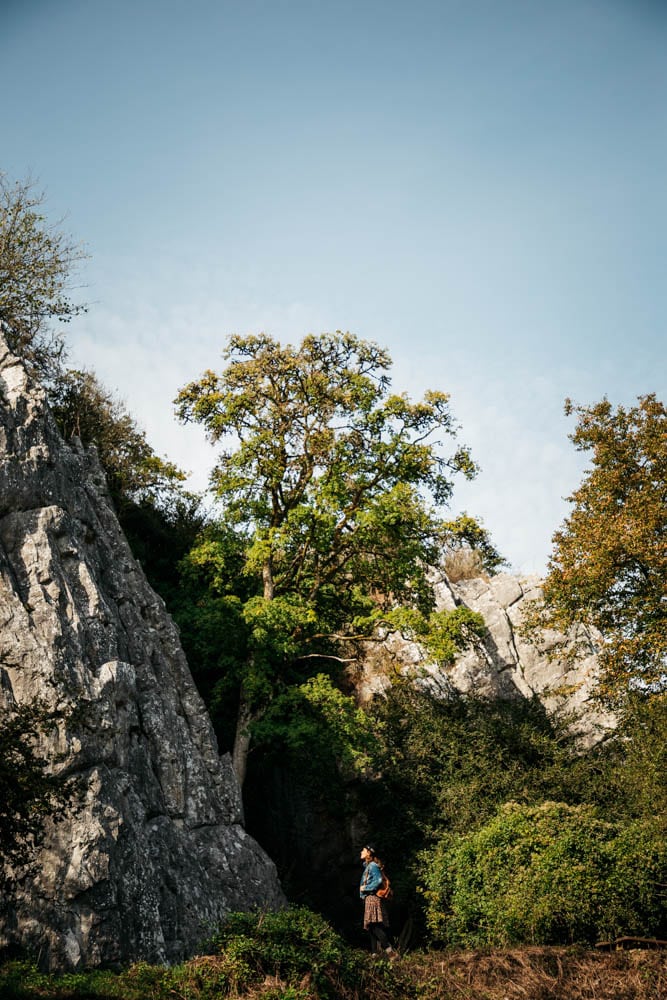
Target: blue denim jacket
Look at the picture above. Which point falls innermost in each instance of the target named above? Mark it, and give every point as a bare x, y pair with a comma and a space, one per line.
371, 880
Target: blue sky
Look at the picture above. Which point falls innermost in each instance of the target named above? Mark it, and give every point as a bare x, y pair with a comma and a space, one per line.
478, 186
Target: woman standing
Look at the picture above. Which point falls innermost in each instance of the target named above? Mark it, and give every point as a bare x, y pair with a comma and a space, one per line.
376, 918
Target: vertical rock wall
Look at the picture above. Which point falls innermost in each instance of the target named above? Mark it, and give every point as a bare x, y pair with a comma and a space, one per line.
153, 847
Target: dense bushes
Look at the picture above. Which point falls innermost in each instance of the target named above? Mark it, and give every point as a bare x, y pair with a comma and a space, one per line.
445, 766
459, 793
291, 955
293, 945
545, 874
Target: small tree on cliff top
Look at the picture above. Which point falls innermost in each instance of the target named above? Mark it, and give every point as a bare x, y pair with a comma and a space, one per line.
609, 565
37, 262
330, 481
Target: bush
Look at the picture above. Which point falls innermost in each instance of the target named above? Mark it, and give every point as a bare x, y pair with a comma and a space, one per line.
289, 945
545, 874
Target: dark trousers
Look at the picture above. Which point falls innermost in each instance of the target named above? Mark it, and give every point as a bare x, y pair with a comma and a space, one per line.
379, 938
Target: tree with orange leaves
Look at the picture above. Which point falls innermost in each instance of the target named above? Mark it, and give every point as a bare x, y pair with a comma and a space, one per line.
608, 569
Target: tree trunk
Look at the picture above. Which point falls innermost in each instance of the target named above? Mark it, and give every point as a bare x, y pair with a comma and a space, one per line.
242, 738
246, 715
267, 579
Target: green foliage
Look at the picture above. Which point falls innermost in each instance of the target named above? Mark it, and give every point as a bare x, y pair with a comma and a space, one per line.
329, 483
291, 945
159, 517
291, 955
160, 536
37, 262
544, 874
327, 470
319, 731
632, 763
444, 765
442, 633
37, 265
609, 565
452, 761
214, 637
83, 408
22, 980
29, 791
214, 564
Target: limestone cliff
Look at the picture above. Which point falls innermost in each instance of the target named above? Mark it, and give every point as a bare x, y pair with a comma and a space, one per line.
505, 664
153, 847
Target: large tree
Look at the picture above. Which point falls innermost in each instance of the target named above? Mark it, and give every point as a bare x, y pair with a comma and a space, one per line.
609, 564
331, 484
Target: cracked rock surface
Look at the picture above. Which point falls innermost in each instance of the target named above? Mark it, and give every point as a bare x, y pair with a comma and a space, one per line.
504, 664
152, 849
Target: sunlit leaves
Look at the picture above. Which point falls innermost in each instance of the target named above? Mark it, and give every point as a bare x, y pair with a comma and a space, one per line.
609, 566
322, 730
466, 534
85, 409
333, 478
545, 874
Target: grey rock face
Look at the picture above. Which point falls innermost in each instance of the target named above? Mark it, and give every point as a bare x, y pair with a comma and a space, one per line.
153, 847
504, 664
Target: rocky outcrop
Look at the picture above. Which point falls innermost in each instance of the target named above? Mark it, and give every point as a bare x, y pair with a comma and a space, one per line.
152, 848
505, 664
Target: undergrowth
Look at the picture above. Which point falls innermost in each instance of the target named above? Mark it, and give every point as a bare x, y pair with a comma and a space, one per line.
296, 955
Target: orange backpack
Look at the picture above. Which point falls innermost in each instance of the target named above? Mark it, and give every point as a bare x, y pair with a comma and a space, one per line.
385, 891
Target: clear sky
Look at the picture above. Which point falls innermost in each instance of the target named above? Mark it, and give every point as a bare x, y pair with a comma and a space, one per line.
478, 185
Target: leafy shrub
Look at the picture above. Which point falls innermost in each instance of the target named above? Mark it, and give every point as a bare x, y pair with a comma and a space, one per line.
320, 729
450, 763
22, 980
545, 874
289, 945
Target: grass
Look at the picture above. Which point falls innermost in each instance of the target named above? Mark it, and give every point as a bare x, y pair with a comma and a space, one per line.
538, 973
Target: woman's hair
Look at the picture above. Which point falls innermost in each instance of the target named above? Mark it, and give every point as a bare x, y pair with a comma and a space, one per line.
373, 855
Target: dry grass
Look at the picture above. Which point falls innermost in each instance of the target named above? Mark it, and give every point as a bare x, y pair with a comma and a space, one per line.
539, 974
464, 564
520, 974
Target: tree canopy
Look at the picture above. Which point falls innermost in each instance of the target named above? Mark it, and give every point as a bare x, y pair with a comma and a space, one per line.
333, 483
609, 564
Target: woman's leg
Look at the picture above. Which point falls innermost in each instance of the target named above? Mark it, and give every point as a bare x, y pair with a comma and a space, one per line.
379, 939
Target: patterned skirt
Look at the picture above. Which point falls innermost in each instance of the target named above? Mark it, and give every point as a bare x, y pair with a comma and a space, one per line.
375, 911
